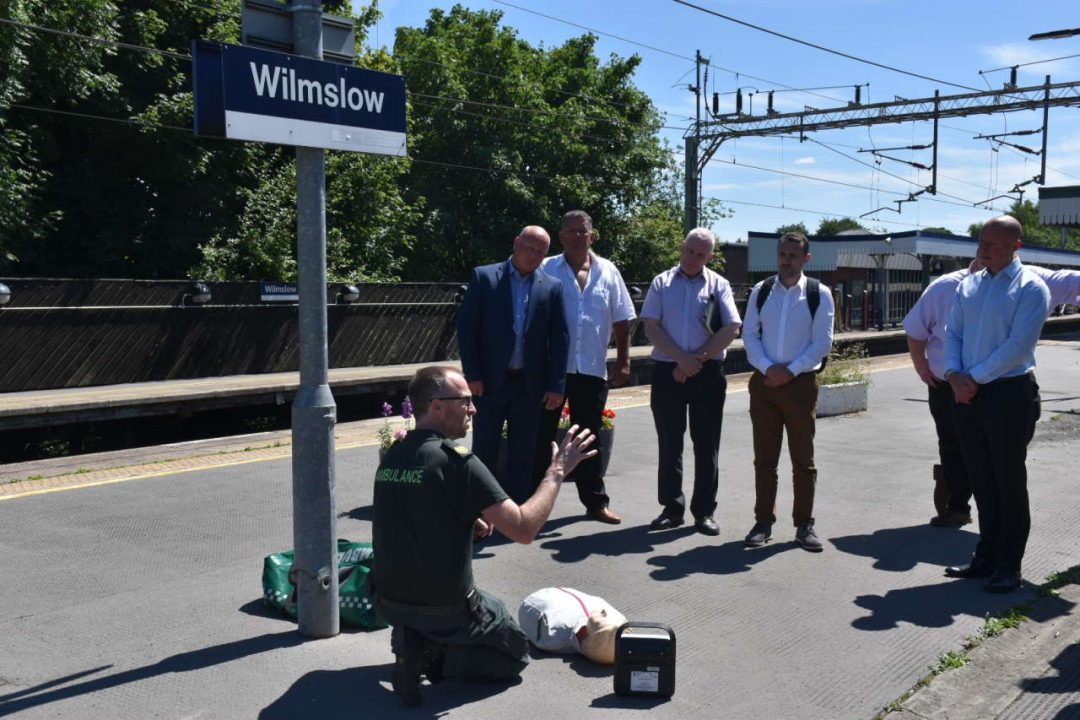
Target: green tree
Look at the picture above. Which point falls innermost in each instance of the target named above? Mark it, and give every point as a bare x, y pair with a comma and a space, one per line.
115, 190
45, 71
505, 135
794, 227
939, 230
832, 226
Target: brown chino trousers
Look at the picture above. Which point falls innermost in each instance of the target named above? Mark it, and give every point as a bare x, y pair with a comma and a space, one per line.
772, 410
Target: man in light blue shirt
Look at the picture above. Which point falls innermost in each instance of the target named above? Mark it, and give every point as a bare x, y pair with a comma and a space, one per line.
925, 327
688, 377
990, 342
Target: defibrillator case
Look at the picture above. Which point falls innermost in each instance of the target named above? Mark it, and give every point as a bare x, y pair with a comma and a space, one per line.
644, 659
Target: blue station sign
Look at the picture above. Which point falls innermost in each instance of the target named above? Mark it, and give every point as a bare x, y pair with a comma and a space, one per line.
243, 93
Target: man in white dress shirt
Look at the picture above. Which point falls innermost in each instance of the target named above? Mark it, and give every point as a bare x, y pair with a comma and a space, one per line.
596, 305
787, 334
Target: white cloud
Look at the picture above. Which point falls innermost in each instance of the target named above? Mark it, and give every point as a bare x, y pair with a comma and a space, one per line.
808, 160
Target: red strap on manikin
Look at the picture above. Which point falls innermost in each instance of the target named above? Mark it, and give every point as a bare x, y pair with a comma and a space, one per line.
583, 631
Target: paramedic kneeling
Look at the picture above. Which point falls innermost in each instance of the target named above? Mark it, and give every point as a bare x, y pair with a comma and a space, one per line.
432, 496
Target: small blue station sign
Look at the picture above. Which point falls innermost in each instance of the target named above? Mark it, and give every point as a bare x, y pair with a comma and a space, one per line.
244, 93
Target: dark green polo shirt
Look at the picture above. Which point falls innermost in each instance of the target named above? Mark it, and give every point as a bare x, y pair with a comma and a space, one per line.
428, 492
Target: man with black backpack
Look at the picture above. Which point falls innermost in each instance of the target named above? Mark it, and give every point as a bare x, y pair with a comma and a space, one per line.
788, 334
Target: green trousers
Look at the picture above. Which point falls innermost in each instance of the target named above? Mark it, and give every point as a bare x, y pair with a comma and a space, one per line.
482, 640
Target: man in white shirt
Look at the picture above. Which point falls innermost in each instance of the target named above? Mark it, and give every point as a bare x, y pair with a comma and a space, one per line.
597, 305
787, 335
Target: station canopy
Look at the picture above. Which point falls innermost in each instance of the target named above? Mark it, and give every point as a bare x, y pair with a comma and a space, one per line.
1059, 206
894, 251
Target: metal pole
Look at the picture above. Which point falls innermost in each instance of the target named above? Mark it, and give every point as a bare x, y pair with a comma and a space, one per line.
314, 413
690, 212
1045, 133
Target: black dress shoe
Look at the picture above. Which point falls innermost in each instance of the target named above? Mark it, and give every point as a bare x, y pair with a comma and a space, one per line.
706, 526
1003, 582
975, 569
666, 522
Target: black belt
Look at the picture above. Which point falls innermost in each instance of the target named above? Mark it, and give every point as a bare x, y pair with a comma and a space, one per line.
514, 372
710, 361
470, 602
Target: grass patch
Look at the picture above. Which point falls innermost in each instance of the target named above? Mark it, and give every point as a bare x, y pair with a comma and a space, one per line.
994, 626
952, 660
847, 363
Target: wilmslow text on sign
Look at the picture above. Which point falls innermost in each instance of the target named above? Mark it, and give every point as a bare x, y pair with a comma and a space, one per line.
243, 93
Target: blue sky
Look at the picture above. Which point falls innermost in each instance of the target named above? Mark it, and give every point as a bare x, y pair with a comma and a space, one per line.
948, 40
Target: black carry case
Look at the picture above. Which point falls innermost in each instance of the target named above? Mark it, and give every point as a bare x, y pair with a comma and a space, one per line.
644, 659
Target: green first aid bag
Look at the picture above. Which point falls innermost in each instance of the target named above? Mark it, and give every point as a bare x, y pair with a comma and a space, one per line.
354, 597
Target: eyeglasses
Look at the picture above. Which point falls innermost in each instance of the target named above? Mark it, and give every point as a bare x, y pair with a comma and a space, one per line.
467, 398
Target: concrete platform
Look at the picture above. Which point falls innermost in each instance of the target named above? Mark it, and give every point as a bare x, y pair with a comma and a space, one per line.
140, 597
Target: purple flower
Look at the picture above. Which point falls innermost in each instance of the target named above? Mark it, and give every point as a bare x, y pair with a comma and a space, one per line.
400, 434
387, 409
406, 408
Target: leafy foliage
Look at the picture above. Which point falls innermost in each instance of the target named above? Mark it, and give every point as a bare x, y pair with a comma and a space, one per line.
794, 227
101, 177
832, 226
1027, 213
533, 132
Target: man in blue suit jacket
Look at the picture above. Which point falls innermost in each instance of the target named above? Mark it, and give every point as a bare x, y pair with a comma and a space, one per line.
513, 342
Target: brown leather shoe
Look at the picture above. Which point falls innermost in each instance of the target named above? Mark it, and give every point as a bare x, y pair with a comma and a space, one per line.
605, 515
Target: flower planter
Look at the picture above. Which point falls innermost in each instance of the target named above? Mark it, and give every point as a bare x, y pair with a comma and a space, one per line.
606, 440
842, 399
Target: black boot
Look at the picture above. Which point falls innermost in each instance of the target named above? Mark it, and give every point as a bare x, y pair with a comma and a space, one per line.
408, 647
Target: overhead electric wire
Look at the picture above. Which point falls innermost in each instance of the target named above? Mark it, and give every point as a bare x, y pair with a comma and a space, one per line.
496, 76
151, 50
1033, 62
873, 167
99, 41
841, 183
803, 210
661, 50
822, 47
126, 121
188, 130
492, 118
539, 111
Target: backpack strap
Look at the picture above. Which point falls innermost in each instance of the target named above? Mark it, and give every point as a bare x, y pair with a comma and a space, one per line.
763, 293
813, 295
